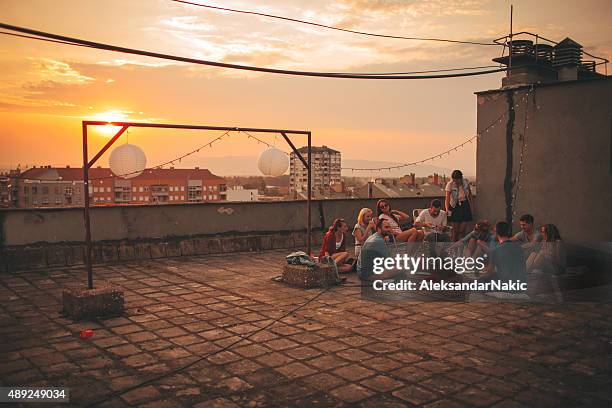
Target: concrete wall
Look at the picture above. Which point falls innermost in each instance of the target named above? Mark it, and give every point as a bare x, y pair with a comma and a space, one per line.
567, 158
42, 238
28, 226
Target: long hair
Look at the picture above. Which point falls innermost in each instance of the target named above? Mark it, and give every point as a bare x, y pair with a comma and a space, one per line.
337, 224
379, 211
362, 214
552, 233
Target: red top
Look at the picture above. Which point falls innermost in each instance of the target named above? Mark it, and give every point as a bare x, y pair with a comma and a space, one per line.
329, 244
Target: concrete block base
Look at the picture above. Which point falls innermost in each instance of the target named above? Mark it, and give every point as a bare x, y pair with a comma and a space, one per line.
104, 301
306, 277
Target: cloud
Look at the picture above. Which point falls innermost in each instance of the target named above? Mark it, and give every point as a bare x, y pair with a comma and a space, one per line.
59, 71
420, 8
187, 23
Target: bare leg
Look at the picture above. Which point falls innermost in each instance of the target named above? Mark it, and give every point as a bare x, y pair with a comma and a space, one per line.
455, 234
462, 228
339, 257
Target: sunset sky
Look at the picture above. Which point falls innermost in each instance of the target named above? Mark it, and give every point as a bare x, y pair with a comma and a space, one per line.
47, 89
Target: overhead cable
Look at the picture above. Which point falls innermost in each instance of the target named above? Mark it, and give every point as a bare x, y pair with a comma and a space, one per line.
114, 48
295, 20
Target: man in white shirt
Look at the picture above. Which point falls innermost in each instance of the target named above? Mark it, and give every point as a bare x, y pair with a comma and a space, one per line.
431, 223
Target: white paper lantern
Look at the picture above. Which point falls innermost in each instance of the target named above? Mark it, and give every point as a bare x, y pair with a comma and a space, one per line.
273, 162
127, 161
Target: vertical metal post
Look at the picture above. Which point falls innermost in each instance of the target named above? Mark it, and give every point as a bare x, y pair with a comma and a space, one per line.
510, 48
86, 212
309, 222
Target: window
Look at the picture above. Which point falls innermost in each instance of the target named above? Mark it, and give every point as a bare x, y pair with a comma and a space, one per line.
68, 190
182, 198
90, 190
182, 188
45, 201
95, 189
34, 190
171, 198
214, 188
108, 189
34, 201
58, 201
45, 190
56, 190
171, 188
133, 189
108, 199
146, 198
26, 190
140, 189
146, 188
141, 198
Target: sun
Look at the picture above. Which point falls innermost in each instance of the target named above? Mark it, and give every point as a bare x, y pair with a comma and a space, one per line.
109, 116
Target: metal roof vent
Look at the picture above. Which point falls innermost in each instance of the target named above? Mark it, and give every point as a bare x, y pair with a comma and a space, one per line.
567, 52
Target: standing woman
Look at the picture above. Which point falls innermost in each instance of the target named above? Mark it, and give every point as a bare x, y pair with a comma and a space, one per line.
334, 245
363, 229
459, 204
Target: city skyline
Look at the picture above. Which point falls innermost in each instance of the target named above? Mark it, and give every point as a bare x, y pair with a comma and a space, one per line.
47, 89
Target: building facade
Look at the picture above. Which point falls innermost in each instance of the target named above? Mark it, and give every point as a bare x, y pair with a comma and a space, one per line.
63, 187
550, 153
239, 193
326, 171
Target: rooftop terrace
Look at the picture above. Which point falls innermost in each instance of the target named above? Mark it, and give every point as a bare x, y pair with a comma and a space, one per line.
255, 342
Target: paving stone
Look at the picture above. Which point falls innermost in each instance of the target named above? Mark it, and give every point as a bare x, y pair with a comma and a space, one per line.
351, 393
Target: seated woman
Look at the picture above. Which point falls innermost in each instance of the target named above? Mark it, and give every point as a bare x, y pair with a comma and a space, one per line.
363, 229
550, 256
384, 212
334, 245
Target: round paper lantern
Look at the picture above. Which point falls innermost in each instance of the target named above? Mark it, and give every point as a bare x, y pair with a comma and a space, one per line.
127, 161
273, 162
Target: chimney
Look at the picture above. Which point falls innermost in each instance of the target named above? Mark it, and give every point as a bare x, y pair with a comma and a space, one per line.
413, 179
370, 188
531, 63
567, 59
197, 168
436, 179
67, 166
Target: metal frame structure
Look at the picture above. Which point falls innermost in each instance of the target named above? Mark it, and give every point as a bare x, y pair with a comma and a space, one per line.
87, 164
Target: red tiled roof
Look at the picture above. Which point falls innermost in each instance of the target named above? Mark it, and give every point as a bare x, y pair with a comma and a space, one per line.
76, 174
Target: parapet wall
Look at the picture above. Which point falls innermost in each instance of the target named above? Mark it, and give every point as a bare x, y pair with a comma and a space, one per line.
39, 238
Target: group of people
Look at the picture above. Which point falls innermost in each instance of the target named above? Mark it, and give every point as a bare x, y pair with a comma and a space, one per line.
529, 249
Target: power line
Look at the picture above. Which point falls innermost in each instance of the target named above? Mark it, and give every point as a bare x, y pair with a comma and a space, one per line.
439, 155
114, 48
295, 20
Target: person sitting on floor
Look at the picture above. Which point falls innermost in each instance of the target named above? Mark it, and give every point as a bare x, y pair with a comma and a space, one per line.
507, 261
431, 224
384, 211
363, 229
527, 237
478, 242
334, 245
550, 256
376, 247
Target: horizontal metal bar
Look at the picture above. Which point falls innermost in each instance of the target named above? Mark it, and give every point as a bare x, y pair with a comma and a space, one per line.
193, 127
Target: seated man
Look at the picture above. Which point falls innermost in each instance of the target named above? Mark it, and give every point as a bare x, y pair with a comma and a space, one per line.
478, 242
431, 224
376, 247
507, 261
527, 237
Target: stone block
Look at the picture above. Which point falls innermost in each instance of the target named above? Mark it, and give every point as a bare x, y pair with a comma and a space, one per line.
158, 249
24, 258
265, 242
214, 246
56, 255
104, 301
142, 251
75, 255
187, 247
234, 244
200, 246
109, 253
306, 277
126, 252
281, 241
173, 248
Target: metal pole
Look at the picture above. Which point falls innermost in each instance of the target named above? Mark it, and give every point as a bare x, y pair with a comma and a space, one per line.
510, 48
309, 223
86, 213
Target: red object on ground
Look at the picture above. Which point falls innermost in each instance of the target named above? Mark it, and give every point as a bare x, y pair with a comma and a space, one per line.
86, 333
